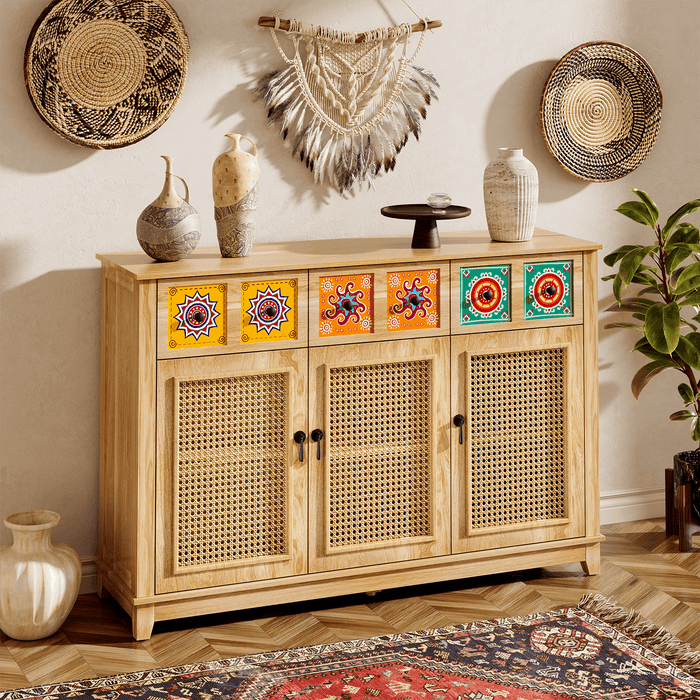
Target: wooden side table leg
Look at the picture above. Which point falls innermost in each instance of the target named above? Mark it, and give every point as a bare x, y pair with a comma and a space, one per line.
684, 518
671, 510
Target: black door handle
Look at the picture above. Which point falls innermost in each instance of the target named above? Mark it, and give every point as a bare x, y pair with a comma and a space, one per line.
458, 420
317, 436
299, 438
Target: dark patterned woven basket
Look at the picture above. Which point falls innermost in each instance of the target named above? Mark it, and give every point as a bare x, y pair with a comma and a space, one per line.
600, 111
106, 73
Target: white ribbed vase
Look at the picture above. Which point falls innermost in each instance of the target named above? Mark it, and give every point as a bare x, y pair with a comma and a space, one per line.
511, 187
39, 579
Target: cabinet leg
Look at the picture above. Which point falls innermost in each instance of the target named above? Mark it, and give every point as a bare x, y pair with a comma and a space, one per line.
591, 564
671, 510
142, 619
102, 592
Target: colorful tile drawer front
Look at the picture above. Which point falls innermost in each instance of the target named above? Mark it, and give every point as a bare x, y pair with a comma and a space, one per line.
548, 289
269, 311
197, 316
484, 295
413, 300
346, 305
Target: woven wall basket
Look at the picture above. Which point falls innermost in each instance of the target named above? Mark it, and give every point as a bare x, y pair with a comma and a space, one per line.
106, 73
600, 111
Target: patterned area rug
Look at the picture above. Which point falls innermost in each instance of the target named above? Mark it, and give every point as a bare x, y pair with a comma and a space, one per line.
595, 650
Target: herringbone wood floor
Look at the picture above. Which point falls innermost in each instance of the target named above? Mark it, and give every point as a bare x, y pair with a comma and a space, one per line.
641, 569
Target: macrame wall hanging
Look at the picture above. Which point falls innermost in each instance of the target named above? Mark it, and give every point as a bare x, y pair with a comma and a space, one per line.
351, 101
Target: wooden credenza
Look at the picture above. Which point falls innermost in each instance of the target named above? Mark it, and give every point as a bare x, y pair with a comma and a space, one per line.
339, 416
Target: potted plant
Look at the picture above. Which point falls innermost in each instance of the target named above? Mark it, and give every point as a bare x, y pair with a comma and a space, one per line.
665, 309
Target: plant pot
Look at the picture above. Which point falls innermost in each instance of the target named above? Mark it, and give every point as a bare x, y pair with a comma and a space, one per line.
39, 579
686, 470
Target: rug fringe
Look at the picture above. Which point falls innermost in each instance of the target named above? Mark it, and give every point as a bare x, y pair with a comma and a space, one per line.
652, 636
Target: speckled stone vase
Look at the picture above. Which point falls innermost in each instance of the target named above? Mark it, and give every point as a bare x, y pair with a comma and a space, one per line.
511, 187
235, 184
39, 579
169, 228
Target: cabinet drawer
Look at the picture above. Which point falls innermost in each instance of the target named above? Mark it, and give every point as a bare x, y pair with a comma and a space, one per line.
514, 293
232, 313
367, 304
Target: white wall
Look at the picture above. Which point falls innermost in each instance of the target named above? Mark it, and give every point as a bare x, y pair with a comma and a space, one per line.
61, 203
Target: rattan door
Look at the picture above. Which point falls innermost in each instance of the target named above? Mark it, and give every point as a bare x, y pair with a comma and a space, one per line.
231, 489
518, 474
379, 478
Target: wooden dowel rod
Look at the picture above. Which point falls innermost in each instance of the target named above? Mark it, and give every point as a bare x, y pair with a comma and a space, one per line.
284, 24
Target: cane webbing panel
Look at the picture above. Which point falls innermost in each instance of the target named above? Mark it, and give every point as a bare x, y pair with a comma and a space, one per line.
232, 469
517, 435
379, 451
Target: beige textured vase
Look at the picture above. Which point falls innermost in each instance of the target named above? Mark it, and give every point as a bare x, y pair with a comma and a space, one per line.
235, 182
169, 228
39, 579
511, 188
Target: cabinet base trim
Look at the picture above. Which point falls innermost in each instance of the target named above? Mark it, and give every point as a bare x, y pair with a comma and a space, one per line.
169, 606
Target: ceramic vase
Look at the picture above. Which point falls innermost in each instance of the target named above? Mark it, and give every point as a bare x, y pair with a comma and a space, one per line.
511, 187
39, 579
169, 228
235, 183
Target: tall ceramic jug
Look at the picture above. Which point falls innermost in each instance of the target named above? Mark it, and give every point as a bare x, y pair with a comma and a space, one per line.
235, 183
39, 579
511, 188
169, 228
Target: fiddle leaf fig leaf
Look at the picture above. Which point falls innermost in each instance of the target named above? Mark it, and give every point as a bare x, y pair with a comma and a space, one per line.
643, 278
647, 373
637, 211
631, 304
678, 253
633, 326
695, 434
693, 299
617, 288
630, 264
685, 233
649, 203
681, 415
688, 280
678, 215
686, 393
642, 345
612, 258
662, 327
688, 352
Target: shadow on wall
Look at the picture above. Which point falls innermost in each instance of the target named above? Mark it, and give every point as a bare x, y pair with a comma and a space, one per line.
514, 122
49, 372
34, 147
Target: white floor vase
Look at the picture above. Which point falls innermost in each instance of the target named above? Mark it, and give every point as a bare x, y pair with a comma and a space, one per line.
511, 188
39, 579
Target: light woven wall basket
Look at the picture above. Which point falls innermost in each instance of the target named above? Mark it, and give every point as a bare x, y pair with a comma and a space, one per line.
600, 111
106, 73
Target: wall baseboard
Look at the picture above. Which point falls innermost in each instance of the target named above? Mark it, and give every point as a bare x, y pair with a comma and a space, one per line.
615, 507
637, 504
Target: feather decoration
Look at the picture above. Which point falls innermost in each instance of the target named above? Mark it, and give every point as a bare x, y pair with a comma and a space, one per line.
347, 152
320, 165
